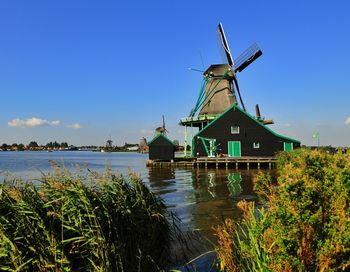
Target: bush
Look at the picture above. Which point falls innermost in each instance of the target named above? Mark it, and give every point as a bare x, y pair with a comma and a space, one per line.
306, 223
82, 223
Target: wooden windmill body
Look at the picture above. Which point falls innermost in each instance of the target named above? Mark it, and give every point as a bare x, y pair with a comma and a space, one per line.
219, 93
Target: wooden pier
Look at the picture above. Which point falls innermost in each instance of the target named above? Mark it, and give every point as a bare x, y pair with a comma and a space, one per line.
218, 162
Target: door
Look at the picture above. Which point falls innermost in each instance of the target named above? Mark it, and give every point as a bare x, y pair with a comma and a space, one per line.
288, 146
234, 149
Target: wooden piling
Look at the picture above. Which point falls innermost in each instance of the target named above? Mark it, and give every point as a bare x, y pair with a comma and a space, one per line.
217, 162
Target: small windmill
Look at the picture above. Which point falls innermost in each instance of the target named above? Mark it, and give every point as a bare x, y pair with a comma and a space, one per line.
162, 129
221, 81
262, 119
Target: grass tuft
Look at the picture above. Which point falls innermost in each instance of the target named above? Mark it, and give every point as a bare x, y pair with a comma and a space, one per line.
94, 222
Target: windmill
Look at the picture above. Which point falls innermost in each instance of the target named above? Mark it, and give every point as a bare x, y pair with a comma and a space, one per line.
221, 82
162, 129
261, 119
219, 90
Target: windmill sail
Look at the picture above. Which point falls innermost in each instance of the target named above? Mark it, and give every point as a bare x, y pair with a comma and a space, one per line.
247, 57
224, 43
257, 112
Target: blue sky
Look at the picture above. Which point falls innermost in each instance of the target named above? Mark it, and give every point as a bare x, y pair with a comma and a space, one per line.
90, 70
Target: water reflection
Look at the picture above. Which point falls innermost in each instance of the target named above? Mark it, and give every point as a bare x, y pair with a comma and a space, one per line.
234, 184
202, 198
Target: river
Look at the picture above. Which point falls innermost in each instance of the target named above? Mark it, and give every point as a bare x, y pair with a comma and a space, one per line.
201, 198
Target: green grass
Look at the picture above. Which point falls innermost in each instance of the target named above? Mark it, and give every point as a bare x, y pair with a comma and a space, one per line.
89, 222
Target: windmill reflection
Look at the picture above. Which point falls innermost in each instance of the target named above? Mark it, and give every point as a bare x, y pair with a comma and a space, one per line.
234, 184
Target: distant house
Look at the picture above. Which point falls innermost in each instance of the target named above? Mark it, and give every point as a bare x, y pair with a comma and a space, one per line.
133, 148
161, 148
236, 133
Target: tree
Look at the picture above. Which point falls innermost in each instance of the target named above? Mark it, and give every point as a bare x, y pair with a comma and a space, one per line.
109, 143
33, 145
49, 145
20, 147
64, 145
4, 146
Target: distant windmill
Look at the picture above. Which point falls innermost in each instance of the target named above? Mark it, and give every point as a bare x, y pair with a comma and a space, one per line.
221, 81
162, 129
261, 119
109, 145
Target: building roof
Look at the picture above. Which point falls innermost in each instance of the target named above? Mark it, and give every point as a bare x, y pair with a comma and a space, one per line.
251, 117
162, 136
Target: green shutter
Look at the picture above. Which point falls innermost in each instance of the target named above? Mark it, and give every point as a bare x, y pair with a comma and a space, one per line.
234, 149
288, 146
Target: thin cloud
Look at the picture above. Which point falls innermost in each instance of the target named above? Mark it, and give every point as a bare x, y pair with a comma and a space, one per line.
146, 131
347, 121
32, 122
55, 123
74, 126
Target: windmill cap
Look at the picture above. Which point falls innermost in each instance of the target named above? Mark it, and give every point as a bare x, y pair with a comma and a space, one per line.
218, 70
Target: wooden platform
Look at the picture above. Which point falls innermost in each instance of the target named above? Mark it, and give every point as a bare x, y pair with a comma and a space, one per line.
218, 162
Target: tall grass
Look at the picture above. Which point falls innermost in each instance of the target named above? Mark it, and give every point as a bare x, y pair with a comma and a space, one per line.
89, 222
306, 225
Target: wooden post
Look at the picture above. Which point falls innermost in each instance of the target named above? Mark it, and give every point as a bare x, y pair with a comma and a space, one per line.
191, 139
217, 165
258, 165
185, 142
236, 165
247, 165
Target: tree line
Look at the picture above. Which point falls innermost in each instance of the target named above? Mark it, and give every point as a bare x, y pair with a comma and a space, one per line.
33, 145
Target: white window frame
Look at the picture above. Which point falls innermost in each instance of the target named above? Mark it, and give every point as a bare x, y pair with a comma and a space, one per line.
256, 145
234, 129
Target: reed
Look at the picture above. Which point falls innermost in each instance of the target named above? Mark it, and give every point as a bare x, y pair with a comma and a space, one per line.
305, 225
76, 222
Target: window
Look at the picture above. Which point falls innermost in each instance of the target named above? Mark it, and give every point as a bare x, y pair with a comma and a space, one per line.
256, 145
235, 130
